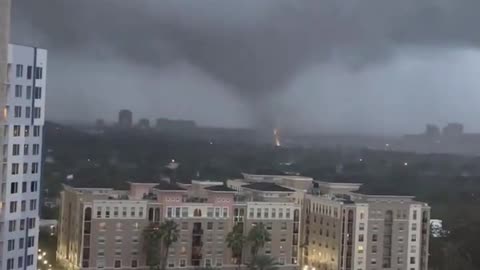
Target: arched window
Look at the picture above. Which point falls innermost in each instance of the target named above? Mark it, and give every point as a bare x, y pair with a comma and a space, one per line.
197, 213
150, 214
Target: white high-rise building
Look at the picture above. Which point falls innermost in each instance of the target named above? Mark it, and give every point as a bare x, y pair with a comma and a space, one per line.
22, 119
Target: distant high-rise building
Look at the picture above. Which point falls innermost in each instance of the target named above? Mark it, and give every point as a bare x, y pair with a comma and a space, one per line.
453, 129
432, 131
125, 119
144, 123
22, 119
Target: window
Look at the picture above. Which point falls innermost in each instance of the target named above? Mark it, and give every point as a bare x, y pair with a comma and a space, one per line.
13, 187
374, 249
280, 213
412, 260
225, 212
360, 238
171, 263
183, 262
11, 245
33, 204
208, 262
22, 224
374, 237
38, 73
134, 263
27, 112
360, 249
361, 226
124, 211
399, 260
210, 212
36, 131
184, 225
37, 93
284, 226
20, 262
10, 264
101, 241
24, 185
107, 212
413, 249
16, 130
30, 259
274, 214
373, 261
287, 213
414, 214
217, 212
13, 207
33, 186
209, 225
30, 241
135, 239
25, 149
414, 226
20, 243
23, 206
259, 212
177, 212
118, 240
29, 92
36, 149
34, 167
220, 226
19, 71
269, 226
115, 211
184, 211
12, 224
250, 214
400, 227
169, 212
414, 237
27, 130
118, 264
16, 149
37, 112
18, 91
118, 252
17, 113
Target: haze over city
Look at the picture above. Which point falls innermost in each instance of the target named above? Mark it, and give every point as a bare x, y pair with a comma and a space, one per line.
317, 66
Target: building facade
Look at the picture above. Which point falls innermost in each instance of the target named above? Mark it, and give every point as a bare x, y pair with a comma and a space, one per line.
112, 222
346, 230
22, 123
314, 226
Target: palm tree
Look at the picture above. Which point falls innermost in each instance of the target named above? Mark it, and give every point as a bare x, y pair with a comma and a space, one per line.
263, 262
235, 241
169, 232
151, 244
258, 236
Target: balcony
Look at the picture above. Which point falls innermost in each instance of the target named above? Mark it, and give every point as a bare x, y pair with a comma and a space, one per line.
197, 231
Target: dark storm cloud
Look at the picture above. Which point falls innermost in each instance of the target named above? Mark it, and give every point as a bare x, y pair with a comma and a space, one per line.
255, 48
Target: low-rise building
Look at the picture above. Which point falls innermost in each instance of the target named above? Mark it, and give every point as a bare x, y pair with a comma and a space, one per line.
102, 228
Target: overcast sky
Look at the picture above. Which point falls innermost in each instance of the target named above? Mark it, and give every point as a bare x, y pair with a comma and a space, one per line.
356, 66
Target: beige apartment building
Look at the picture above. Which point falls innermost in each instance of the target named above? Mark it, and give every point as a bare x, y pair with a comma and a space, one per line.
347, 230
102, 228
314, 225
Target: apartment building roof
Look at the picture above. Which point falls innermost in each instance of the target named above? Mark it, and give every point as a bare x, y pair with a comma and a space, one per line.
220, 188
267, 187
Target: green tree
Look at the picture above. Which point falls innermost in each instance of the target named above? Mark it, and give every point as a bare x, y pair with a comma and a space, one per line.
169, 232
257, 237
263, 262
152, 235
235, 241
